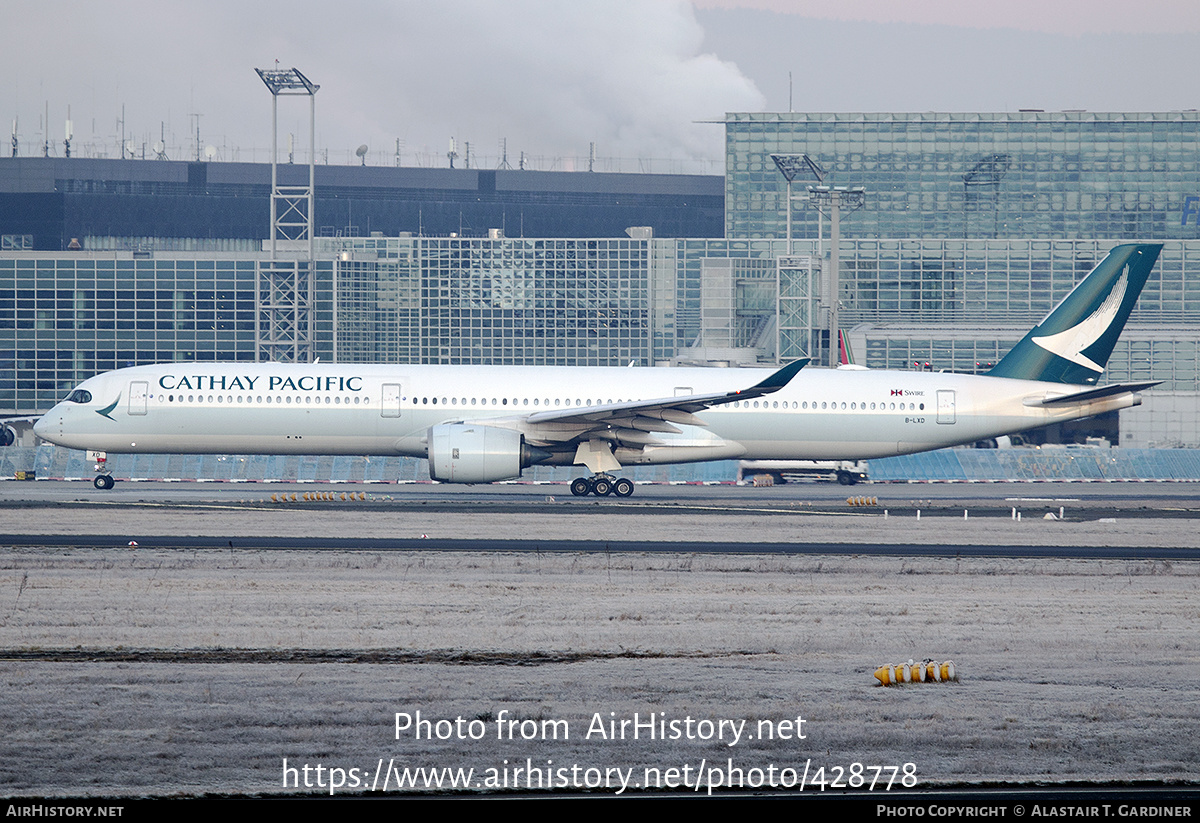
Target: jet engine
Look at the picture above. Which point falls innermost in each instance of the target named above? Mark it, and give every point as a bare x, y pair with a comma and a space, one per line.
471, 453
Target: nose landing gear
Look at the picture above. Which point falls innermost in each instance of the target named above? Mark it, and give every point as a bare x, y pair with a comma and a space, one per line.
104, 481
601, 485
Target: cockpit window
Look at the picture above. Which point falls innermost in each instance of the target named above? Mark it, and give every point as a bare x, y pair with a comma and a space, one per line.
80, 396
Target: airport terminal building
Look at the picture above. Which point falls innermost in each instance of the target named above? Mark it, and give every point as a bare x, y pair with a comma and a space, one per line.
973, 226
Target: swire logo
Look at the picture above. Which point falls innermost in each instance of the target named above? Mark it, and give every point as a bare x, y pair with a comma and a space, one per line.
897, 392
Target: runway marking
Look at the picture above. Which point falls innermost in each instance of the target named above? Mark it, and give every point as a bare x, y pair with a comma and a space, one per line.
384, 656
735, 509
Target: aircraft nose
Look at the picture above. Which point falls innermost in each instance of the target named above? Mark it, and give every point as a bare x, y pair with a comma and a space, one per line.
44, 426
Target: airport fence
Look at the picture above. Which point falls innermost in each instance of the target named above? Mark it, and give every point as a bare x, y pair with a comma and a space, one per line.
945, 465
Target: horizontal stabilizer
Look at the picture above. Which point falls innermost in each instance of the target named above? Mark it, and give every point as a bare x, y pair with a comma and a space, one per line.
1090, 395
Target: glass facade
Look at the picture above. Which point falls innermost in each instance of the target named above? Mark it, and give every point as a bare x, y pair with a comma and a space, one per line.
975, 227
942, 304
66, 317
505, 301
970, 175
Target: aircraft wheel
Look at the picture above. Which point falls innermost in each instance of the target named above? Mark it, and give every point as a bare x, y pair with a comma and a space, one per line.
623, 487
580, 487
602, 487
104, 482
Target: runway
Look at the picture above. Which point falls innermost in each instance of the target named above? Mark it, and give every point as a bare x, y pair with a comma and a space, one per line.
1128, 497
1003, 520
334, 544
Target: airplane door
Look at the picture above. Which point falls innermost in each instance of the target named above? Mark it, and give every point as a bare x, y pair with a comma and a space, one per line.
945, 406
138, 392
390, 407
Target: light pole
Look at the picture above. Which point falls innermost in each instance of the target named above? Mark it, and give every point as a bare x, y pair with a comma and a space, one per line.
789, 166
834, 199
283, 289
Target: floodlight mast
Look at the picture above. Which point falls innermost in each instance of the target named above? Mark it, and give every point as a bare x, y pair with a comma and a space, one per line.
283, 302
835, 199
789, 166
292, 82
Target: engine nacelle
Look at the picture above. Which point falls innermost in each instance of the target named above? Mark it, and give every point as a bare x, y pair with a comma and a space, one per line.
471, 453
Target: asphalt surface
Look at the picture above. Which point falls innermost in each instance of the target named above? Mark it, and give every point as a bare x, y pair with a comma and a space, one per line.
942, 520
1158, 498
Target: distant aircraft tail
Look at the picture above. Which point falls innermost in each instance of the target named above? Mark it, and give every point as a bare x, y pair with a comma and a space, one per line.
845, 355
1073, 343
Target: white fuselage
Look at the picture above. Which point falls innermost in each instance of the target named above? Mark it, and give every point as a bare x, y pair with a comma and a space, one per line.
388, 410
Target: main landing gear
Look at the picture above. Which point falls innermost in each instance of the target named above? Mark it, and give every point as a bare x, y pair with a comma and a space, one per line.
601, 485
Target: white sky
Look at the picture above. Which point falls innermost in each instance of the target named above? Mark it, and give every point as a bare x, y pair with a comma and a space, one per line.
633, 76
1072, 17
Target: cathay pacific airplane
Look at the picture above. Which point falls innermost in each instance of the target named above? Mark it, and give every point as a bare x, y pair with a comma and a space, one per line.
478, 424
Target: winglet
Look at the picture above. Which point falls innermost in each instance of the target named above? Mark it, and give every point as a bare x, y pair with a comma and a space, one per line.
773, 383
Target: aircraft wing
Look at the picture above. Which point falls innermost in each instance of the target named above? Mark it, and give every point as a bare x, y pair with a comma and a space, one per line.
632, 424
674, 409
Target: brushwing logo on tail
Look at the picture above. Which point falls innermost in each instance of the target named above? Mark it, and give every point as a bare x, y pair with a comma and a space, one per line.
1070, 344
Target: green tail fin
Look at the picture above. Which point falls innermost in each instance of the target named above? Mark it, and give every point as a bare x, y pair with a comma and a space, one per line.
1074, 342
